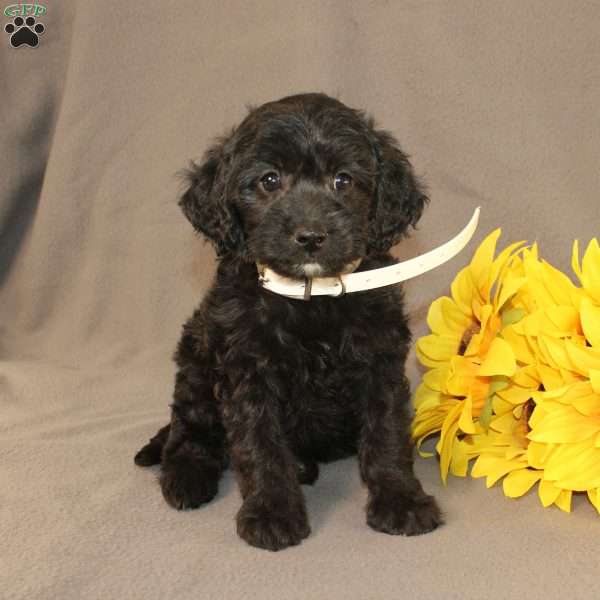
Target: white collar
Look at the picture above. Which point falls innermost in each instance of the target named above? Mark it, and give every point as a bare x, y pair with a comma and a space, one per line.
367, 280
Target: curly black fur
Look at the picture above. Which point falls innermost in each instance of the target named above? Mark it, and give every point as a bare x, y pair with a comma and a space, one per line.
275, 385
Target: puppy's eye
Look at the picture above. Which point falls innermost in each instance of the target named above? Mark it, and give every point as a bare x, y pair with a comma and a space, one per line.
342, 181
270, 182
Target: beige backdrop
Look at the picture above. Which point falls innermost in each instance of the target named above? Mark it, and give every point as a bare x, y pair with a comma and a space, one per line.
497, 103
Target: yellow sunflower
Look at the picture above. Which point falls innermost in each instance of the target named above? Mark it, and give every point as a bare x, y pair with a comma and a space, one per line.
520, 391
469, 362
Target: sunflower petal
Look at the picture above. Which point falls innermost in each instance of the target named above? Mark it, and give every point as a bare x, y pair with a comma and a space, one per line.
500, 359
595, 380
460, 461
551, 377
559, 286
483, 258
590, 321
594, 497
486, 412
435, 350
510, 287
446, 318
462, 290
435, 378
520, 346
564, 426
575, 259
537, 454
500, 264
494, 468
583, 358
563, 501
447, 435
465, 421
564, 318
575, 468
518, 483
548, 492
590, 270
515, 394
588, 404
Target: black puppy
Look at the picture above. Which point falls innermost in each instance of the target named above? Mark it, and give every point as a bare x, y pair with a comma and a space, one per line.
306, 186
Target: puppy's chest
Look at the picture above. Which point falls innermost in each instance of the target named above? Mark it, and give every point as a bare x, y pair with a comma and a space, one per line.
316, 348
312, 346
323, 379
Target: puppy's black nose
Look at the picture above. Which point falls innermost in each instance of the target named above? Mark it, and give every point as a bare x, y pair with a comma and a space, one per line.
310, 239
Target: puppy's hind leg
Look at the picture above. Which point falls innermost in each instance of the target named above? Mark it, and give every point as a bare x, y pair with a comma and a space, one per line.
150, 454
194, 456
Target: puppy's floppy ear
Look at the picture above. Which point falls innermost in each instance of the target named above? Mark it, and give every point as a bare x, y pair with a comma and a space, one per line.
205, 204
400, 198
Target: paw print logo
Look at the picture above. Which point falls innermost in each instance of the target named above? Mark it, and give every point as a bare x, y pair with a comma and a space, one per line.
24, 31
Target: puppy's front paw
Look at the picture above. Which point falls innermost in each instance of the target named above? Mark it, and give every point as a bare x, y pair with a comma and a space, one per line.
188, 485
266, 524
398, 515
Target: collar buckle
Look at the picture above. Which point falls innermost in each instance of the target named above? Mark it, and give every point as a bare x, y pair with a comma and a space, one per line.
343, 286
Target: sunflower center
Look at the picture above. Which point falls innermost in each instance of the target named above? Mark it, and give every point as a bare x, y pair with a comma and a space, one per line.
466, 338
527, 410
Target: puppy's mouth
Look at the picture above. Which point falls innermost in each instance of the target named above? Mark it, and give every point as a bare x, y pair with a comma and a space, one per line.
309, 269
314, 269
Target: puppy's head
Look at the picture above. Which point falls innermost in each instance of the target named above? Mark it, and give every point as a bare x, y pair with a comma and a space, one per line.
306, 186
